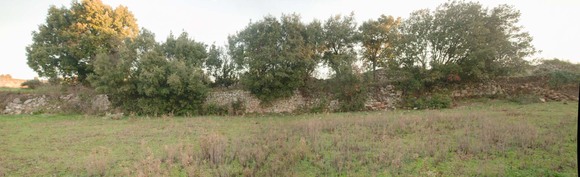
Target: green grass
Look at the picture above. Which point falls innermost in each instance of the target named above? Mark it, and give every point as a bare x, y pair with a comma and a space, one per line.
489, 138
16, 90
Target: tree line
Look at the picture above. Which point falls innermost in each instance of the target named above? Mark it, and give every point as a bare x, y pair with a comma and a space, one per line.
96, 45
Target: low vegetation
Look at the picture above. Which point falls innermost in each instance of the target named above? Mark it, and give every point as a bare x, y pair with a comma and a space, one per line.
483, 138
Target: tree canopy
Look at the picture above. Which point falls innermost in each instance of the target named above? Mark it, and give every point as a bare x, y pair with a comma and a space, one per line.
378, 39
67, 43
273, 57
276, 54
464, 39
145, 77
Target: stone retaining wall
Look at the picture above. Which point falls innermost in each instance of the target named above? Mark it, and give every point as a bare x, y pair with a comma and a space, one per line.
379, 98
55, 104
252, 104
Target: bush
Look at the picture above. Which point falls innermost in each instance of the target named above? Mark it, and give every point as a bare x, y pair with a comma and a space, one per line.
237, 108
410, 85
561, 78
32, 84
321, 106
439, 101
435, 101
553, 65
214, 109
270, 87
350, 90
144, 77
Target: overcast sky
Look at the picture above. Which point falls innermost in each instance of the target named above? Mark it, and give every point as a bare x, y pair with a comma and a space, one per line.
552, 23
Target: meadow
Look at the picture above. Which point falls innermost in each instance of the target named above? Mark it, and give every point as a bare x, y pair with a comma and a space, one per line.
477, 138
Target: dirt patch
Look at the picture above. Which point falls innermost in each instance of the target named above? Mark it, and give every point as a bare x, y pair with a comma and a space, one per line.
9, 82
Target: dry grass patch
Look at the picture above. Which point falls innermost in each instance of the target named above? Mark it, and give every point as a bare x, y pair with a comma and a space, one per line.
478, 140
98, 161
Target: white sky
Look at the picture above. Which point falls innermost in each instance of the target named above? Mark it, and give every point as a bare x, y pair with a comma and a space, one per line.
552, 23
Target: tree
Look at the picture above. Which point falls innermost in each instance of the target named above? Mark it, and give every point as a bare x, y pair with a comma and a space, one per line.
221, 67
464, 41
378, 38
482, 43
275, 55
146, 78
340, 37
67, 44
414, 46
185, 49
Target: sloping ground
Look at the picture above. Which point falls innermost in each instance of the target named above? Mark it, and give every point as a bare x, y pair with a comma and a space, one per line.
9, 82
489, 138
540, 85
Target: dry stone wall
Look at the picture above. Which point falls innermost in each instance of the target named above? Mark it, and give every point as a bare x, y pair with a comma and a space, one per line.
56, 104
384, 98
516, 86
379, 98
252, 104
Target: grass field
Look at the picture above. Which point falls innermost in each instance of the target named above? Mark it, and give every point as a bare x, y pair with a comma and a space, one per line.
485, 138
15, 90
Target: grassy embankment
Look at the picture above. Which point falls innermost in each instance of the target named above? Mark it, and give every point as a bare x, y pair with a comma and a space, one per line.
489, 138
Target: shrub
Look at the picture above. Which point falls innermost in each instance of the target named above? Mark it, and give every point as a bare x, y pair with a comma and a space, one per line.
439, 101
554, 65
320, 106
32, 84
411, 85
237, 108
560, 78
435, 101
275, 54
214, 109
350, 90
147, 78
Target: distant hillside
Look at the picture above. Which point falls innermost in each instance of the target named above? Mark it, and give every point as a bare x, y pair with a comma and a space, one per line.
8, 81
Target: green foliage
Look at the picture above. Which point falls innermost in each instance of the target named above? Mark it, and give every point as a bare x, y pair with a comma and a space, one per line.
184, 49
439, 101
561, 78
555, 65
234, 108
413, 80
378, 38
213, 109
320, 107
66, 45
435, 101
350, 90
411, 85
221, 67
32, 84
147, 78
237, 108
276, 55
479, 43
340, 36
